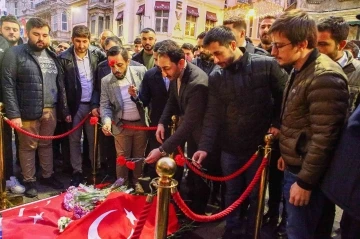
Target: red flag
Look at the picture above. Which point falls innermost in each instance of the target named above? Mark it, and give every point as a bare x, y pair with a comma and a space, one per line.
37, 220
116, 218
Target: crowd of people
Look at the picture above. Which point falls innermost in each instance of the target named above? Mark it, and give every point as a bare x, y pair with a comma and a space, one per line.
300, 84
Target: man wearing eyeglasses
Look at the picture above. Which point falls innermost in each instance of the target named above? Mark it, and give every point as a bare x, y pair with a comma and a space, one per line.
243, 104
314, 111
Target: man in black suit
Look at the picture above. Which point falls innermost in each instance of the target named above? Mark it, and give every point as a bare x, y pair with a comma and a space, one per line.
154, 93
188, 97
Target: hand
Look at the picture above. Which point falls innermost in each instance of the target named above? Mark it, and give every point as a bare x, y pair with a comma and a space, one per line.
299, 196
281, 164
68, 119
274, 131
198, 157
106, 129
132, 91
17, 122
153, 156
160, 133
95, 112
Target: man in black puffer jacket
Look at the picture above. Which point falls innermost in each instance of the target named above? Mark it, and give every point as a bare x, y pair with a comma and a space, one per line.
244, 104
33, 86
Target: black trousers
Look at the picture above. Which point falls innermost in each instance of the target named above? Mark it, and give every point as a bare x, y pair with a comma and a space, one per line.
350, 227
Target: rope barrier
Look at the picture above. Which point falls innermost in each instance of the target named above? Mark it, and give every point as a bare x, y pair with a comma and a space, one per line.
202, 218
46, 137
217, 178
142, 219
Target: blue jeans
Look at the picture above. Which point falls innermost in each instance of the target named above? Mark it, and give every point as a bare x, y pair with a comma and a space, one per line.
302, 220
235, 187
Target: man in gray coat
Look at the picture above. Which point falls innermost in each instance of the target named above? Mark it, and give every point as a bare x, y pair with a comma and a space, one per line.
116, 106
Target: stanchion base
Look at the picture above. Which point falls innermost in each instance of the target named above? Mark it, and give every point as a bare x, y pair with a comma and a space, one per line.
94, 179
15, 200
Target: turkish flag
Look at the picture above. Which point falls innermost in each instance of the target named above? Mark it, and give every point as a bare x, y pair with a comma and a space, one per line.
37, 220
116, 218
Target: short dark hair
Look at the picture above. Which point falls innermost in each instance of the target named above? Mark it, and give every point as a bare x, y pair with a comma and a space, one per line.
187, 46
172, 50
238, 22
147, 30
9, 18
221, 34
297, 26
268, 17
337, 26
81, 31
195, 49
157, 46
353, 48
116, 50
113, 39
137, 40
201, 35
36, 22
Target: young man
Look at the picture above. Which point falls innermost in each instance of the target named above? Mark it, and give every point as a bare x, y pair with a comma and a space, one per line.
237, 25
242, 107
137, 45
79, 63
265, 39
33, 87
145, 56
10, 36
187, 49
314, 111
116, 106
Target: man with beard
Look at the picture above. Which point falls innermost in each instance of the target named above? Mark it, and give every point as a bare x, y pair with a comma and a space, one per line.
265, 39
10, 36
33, 87
105, 34
243, 105
188, 96
145, 56
205, 61
237, 25
116, 106
79, 63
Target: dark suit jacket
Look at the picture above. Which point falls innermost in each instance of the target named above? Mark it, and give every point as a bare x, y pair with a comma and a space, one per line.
153, 94
189, 104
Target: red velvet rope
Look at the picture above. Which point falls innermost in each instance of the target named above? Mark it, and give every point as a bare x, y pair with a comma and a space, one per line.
142, 219
46, 137
202, 218
216, 178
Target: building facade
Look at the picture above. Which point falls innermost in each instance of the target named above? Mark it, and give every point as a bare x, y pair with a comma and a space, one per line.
181, 21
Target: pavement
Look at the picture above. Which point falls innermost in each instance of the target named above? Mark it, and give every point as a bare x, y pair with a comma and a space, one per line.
189, 230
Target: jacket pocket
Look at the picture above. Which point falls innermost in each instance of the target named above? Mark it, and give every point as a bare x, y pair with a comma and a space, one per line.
301, 146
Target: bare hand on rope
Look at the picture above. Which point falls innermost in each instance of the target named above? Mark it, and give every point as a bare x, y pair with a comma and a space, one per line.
106, 129
153, 156
95, 112
299, 196
17, 122
160, 133
198, 157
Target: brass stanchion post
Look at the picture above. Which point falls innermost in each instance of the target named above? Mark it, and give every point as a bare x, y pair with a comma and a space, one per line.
2, 163
173, 126
262, 189
165, 168
95, 153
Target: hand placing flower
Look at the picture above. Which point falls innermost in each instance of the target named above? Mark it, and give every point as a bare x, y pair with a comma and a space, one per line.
180, 160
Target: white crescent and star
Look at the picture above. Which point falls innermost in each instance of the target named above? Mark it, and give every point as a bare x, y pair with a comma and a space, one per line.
130, 216
37, 217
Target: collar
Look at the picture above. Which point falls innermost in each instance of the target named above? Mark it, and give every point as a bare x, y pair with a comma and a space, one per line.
182, 71
312, 57
343, 60
81, 59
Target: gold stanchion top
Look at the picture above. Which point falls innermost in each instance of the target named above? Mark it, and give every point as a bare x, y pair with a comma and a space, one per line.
269, 138
166, 167
1, 106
